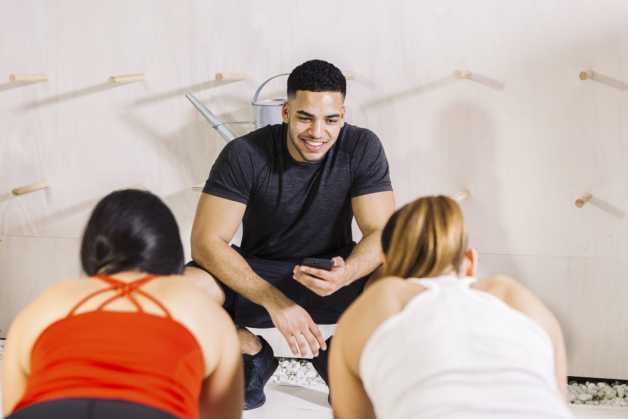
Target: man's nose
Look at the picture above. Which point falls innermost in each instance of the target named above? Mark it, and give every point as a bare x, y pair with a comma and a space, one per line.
316, 129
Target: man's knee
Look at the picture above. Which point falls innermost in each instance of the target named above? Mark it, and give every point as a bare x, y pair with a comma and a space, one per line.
207, 282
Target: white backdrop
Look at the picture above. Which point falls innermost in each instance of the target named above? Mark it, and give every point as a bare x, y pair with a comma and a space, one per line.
525, 135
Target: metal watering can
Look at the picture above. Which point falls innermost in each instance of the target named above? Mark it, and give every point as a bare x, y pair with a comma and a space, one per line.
267, 111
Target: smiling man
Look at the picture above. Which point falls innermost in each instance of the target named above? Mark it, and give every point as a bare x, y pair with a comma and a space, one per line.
295, 187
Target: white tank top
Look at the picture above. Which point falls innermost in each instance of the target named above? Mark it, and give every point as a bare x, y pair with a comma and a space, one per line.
456, 352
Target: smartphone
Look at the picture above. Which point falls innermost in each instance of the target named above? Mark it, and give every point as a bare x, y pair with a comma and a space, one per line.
326, 264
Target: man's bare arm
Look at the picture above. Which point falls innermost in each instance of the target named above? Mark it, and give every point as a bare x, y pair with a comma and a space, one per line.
371, 213
216, 222
217, 219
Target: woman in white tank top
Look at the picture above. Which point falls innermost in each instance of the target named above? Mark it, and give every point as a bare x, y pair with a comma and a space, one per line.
429, 341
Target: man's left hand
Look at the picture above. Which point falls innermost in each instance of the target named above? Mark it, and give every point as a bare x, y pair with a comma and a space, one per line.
321, 281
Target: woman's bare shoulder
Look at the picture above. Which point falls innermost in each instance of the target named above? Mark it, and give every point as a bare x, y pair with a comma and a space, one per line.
381, 301
52, 299
499, 285
187, 295
516, 295
193, 305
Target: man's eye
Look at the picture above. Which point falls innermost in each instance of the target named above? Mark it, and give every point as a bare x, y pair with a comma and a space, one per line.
332, 121
304, 118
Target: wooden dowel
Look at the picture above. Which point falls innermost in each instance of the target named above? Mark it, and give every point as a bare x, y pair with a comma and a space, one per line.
23, 190
580, 202
462, 195
462, 74
586, 75
127, 78
230, 76
349, 75
27, 78
198, 187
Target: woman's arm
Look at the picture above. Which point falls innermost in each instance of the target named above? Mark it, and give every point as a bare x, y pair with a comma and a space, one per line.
14, 377
349, 399
222, 394
379, 302
523, 300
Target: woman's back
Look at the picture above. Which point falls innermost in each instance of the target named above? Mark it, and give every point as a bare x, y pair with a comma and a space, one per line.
436, 348
150, 343
155, 343
457, 352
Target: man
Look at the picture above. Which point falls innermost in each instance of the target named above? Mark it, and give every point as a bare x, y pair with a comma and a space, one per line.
295, 187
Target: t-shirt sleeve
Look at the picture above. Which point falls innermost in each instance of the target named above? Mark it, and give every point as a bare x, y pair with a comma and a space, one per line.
369, 167
231, 176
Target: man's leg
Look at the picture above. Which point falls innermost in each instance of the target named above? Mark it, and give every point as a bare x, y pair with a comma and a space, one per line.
258, 359
249, 343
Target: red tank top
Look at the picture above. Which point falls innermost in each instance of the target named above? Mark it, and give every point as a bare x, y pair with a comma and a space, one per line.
133, 356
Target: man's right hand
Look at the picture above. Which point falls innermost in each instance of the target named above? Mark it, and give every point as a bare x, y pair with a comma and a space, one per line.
296, 325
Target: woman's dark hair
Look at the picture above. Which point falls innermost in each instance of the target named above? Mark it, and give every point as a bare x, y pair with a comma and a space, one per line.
317, 76
131, 230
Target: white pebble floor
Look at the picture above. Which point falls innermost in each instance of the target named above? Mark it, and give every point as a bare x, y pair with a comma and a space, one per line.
297, 372
598, 394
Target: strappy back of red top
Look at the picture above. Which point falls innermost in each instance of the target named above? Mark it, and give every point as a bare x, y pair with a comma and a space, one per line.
133, 356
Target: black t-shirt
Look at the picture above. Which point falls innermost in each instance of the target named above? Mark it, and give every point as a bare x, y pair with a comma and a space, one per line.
294, 209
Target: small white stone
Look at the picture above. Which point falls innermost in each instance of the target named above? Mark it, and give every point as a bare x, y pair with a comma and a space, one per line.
584, 397
297, 372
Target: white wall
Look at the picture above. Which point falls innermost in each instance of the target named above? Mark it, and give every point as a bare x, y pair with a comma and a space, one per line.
527, 137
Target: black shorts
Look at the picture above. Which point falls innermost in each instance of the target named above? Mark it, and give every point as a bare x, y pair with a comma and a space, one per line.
323, 310
89, 409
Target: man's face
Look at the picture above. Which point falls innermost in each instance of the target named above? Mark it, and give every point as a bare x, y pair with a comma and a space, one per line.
314, 122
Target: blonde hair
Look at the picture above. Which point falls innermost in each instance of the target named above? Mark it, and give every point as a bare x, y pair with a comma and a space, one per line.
424, 238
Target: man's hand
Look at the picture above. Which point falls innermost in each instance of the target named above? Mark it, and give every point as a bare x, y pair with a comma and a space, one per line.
297, 327
323, 282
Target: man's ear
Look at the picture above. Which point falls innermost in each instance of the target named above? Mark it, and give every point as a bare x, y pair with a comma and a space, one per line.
284, 112
470, 263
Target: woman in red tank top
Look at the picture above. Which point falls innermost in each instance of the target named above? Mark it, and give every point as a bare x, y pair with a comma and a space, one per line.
134, 340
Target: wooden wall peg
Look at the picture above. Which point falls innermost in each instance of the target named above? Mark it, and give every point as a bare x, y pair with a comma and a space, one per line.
463, 74
462, 195
586, 75
27, 78
23, 190
230, 76
127, 78
581, 201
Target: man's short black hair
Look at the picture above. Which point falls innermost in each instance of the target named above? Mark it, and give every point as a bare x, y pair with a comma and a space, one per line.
317, 76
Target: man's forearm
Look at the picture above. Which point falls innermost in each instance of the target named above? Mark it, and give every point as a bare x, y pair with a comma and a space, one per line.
365, 257
230, 268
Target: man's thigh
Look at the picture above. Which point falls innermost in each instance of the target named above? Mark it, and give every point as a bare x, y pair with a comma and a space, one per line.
324, 310
243, 311
279, 275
